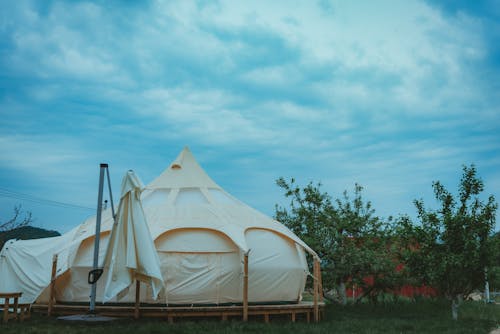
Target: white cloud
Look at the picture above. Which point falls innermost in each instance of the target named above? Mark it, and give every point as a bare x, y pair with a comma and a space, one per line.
274, 76
66, 46
207, 115
40, 156
409, 41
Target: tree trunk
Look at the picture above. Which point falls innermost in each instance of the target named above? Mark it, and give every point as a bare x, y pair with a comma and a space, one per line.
342, 293
455, 304
486, 286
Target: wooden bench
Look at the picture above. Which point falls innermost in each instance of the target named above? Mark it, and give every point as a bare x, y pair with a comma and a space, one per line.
19, 311
24, 311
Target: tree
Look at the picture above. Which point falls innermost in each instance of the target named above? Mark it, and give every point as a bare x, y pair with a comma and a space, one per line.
494, 268
450, 249
352, 242
16, 221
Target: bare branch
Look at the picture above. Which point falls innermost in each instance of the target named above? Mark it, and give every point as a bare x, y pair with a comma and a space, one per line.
15, 221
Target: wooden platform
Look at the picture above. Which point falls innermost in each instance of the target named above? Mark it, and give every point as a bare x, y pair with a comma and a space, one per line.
304, 310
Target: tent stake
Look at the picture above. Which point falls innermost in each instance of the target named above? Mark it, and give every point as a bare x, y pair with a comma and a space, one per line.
52, 293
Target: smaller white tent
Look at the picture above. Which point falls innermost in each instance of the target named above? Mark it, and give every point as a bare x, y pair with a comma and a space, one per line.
200, 233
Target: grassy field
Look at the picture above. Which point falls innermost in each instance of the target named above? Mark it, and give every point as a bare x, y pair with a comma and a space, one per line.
399, 317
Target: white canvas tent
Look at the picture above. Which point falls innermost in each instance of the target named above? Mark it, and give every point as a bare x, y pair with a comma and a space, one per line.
201, 234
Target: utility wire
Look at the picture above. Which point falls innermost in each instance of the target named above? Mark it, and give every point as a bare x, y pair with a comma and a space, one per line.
25, 197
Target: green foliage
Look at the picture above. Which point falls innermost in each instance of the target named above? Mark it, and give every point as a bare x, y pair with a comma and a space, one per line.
352, 242
494, 269
450, 248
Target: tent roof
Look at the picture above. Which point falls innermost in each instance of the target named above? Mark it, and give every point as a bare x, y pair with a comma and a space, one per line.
194, 200
185, 197
184, 172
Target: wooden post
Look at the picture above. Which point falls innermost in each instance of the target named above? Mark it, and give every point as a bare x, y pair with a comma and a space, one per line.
52, 294
6, 296
6, 309
316, 285
137, 298
16, 305
245, 288
320, 283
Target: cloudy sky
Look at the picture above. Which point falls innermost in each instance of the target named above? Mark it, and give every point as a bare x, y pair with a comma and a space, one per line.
389, 94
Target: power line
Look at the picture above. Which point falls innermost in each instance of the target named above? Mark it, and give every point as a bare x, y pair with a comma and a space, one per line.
26, 197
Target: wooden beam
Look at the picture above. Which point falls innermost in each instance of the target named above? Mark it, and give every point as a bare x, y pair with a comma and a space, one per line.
245, 287
320, 283
172, 312
52, 294
316, 288
6, 307
137, 299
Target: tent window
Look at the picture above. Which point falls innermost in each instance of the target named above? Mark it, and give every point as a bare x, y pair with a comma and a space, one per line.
195, 241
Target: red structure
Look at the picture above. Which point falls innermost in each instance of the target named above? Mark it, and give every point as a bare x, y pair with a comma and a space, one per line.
405, 291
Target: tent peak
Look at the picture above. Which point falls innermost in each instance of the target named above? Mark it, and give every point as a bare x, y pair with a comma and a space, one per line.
184, 172
177, 164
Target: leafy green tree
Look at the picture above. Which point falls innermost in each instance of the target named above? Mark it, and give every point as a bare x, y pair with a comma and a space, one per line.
352, 242
450, 249
494, 269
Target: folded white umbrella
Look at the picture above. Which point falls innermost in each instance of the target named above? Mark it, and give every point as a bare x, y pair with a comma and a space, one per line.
131, 252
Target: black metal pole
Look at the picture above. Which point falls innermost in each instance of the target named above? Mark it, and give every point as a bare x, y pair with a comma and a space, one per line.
110, 194
93, 289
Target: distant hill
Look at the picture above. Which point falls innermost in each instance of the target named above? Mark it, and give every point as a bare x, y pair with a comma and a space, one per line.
26, 233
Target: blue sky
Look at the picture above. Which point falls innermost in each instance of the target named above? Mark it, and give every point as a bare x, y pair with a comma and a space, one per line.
389, 94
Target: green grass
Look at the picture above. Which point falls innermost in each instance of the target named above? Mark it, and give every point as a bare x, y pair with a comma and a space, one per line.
425, 316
